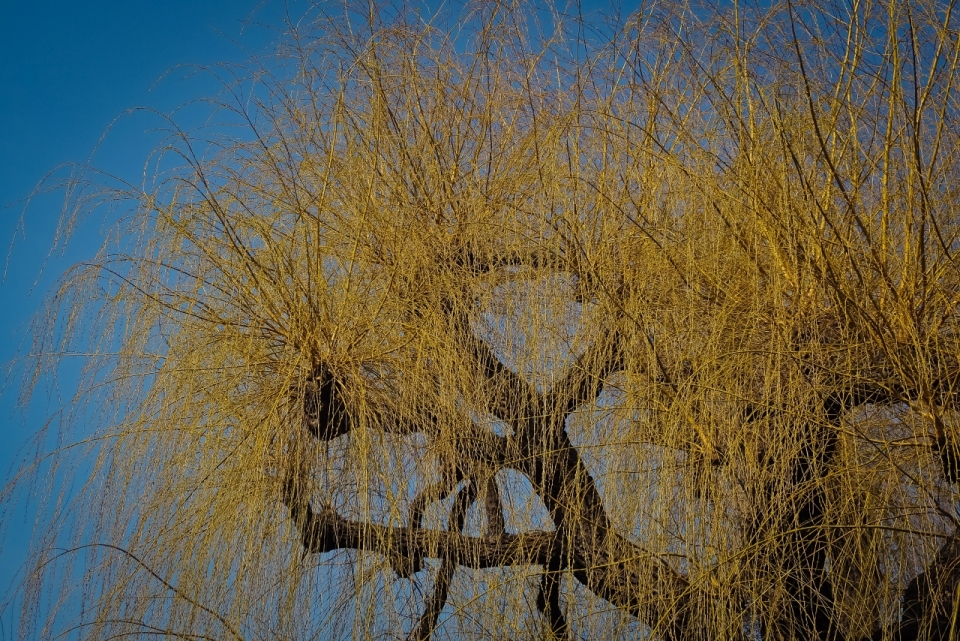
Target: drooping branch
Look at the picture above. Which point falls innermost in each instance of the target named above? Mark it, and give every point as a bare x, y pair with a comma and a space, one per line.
783, 203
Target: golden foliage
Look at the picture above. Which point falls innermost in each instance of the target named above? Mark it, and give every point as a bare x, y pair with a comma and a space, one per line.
564, 326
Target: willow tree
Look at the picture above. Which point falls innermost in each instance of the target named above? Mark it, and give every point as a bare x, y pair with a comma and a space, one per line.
525, 322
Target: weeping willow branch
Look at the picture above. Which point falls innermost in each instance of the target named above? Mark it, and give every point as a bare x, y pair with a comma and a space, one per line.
646, 325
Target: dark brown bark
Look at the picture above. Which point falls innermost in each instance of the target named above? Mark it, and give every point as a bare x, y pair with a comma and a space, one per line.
325, 413
585, 543
548, 601
325, 531
493, 508
928, 606
441, 584
589, 546
805, 549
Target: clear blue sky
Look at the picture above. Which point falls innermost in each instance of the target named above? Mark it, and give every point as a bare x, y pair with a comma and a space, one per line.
67, 70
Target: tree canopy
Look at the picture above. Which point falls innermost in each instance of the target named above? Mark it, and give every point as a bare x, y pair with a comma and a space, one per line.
506, 321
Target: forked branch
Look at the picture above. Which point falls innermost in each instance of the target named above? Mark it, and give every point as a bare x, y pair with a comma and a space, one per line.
441, 584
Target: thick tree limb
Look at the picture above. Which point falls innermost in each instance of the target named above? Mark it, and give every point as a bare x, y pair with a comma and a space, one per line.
494, 508
927, 606
809, 583
804, 557
325, 531
599, 557
325, 413
469, 260
548, 601
584, 382
507, 392
929, 603
441, 584
886, 387
471, 443
589, 546
408, 566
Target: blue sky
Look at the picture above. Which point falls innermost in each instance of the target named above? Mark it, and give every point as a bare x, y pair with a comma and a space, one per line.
67, 71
